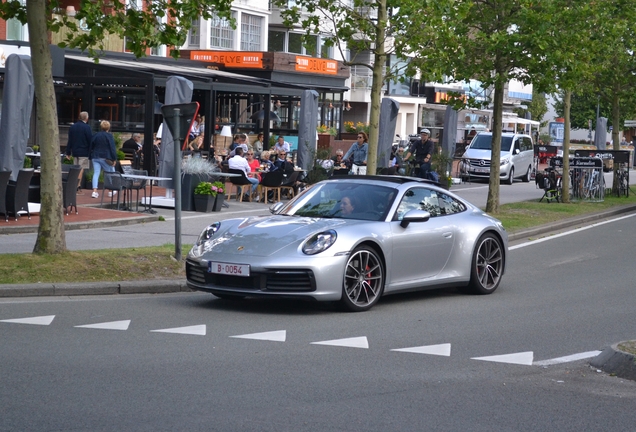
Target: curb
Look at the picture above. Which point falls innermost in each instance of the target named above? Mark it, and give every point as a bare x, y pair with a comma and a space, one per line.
616, 362
28, 229
570, 222
161, 286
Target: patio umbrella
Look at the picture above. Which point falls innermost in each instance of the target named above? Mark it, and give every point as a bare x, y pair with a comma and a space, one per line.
178, 91
388, 116
307, 136
17, 103
260, 115
600, 136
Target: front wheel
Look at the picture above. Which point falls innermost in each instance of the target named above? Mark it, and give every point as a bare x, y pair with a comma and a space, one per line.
511, 177
487, 265
526, 178
363, 282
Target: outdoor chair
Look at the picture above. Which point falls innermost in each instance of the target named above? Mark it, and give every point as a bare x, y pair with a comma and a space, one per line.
137, 185
289, 185
69, 188
240, 183
114, 182
18, 193
4, 182
272, 182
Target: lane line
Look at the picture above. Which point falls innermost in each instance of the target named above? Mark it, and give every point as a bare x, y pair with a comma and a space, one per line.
544, 239
567, 359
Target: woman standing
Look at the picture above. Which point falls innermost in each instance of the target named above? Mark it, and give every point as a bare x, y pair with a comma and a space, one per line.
102, 149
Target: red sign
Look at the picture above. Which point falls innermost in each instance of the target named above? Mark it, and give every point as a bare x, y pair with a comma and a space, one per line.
316, 65
230, 59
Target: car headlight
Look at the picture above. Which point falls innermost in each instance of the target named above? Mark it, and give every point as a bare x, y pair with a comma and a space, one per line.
319, 242
208, 233
505, 161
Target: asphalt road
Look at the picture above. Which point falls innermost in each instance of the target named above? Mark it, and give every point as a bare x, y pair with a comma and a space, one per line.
565, 296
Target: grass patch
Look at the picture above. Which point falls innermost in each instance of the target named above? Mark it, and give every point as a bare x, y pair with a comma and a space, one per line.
147, 263
528, 214
628, 347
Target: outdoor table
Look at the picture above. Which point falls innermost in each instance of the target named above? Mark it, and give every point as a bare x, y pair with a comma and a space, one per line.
151, 179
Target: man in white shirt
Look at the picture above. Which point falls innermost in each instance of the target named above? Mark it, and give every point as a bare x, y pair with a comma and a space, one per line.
282, 145
238, 162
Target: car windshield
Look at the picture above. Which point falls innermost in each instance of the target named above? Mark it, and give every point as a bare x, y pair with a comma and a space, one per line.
484, 142
344, 200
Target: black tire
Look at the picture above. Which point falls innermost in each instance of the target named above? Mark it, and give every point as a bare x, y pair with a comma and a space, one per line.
486, 266
511, 178
526, 178
363, 280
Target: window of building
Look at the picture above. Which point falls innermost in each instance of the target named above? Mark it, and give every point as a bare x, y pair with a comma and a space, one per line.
276, 41
221, 33
194, 34
160, 50
295, 43
251, 27
15, 29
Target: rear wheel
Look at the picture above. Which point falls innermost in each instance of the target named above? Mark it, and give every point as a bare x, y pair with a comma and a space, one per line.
487, 265
526, 178
363, 282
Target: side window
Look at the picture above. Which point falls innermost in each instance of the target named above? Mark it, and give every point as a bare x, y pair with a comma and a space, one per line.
529, 144
449, 205
418, 198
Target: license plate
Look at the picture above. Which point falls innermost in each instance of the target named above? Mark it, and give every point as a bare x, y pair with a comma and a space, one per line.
481, 170
229, 269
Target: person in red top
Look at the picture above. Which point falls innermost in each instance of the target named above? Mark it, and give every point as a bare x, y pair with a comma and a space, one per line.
253, 163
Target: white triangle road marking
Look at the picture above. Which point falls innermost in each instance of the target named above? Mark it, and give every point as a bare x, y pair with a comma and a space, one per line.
276, 336
522, 358
440, 350
191, 330
354, 342
113, 325
567, 359
41, 320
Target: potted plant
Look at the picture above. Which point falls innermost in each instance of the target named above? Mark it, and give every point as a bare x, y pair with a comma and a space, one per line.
194, 171
209, 196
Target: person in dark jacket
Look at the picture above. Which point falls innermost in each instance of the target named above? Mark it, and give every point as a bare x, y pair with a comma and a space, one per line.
79, 141
102, 150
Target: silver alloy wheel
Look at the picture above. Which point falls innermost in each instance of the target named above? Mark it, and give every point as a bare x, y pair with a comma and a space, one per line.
363, 280
488, 265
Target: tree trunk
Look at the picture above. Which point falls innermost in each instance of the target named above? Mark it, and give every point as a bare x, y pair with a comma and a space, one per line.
51, 238
376, 88
565, 179
492, 202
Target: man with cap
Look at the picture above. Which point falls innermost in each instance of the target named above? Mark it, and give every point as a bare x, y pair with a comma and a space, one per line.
422, 149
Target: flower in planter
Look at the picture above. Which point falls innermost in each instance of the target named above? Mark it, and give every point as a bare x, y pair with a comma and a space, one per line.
350, 127
207, 188
218, 188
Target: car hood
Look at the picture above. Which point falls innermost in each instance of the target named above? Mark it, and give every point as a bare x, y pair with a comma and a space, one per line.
482, 154
266, 236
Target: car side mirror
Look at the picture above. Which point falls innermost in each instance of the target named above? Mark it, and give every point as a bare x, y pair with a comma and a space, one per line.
517, 151
275, 208
414, 216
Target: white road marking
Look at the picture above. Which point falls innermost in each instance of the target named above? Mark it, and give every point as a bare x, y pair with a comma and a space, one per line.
552, 237
276, 336
441, 349
113, 325
522, 358
355, 342
41, 320
566, 359
191, 330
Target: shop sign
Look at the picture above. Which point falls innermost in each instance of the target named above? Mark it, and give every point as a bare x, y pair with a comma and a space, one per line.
316, 65
230, 59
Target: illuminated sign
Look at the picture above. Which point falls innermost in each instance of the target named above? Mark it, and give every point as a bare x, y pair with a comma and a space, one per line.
230, 59
316, 65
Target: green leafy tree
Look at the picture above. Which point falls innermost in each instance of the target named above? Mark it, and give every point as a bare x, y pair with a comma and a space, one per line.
490, 41
161, 23
359, 26
537, 107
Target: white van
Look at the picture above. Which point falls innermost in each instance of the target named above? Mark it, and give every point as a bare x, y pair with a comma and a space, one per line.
517, 155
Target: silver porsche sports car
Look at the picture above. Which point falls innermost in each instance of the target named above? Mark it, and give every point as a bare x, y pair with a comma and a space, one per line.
352, 239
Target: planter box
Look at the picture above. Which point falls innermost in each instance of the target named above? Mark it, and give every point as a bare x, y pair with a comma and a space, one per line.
349, 136
189, 182
218, 202
204, 203
325, 141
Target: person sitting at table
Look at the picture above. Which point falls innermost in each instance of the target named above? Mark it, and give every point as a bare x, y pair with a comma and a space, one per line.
268, 165
241, 142
258, 144
282, 145
196, 145
235, 142
283, 164
255, 164
238, 162
338, 160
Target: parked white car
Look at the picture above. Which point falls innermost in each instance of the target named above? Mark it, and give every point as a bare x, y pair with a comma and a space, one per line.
517, 154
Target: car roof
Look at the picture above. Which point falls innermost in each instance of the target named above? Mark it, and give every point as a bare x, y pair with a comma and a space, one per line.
386, 178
